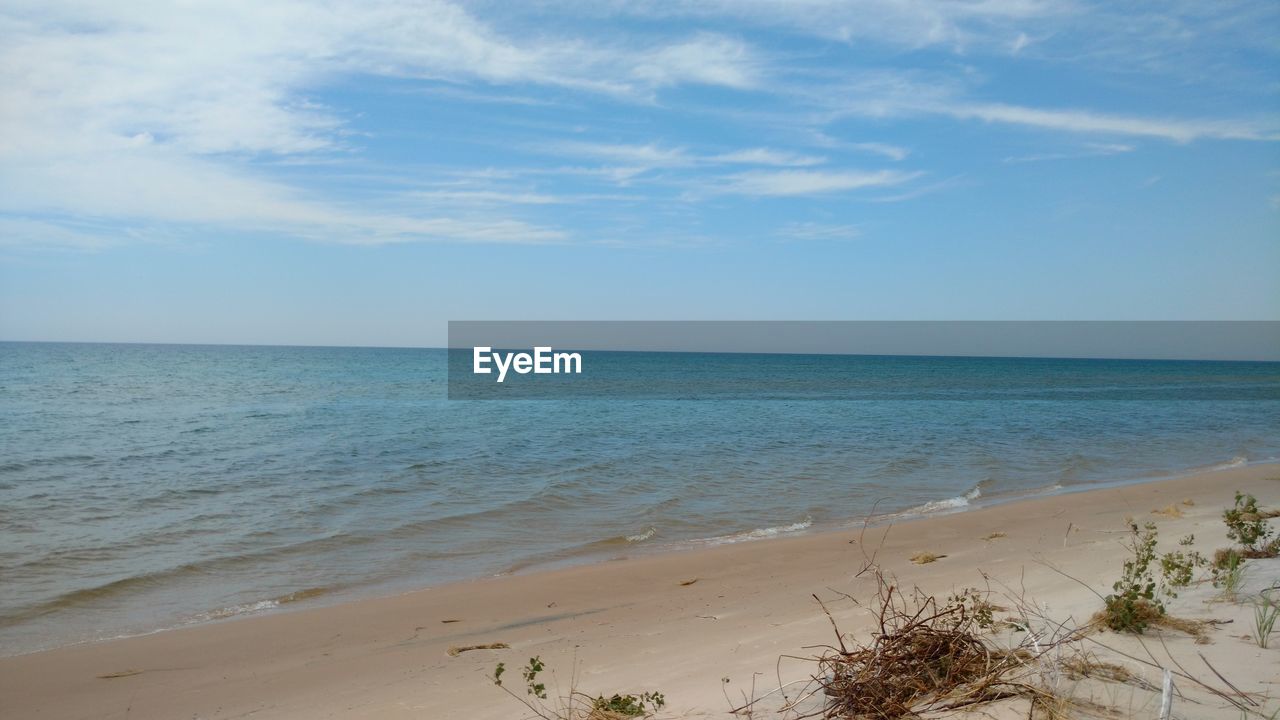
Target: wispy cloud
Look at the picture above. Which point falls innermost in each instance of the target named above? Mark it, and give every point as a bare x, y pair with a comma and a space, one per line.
651, 155
957, 24
766, 156
210, 113
707, 58
624, 162
1089, 122
812, 231
1084, 151
25, 232
898, 94
117, 112
893, 152
1019, 43
1178, 38
160, 188
783, 183
919, 191
488, 197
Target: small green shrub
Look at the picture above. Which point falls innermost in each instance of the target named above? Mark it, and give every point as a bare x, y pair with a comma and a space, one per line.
630, 705
1138, 600
1134, 604
1247, 526
1177, 568
576, 705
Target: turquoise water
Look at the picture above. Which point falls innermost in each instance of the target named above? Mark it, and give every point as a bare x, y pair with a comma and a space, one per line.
148, 486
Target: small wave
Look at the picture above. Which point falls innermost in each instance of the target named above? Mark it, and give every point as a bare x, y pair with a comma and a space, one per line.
758, 533
234, 610
262, 605
948, 505
300, 595
612, 544
1235, 462
935, 506
641, 537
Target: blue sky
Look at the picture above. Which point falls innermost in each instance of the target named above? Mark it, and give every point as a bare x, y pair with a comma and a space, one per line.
360, 173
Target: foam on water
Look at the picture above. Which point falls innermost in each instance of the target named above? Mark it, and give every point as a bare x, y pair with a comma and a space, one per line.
641, 537
756, 534
259, 606
1235, 462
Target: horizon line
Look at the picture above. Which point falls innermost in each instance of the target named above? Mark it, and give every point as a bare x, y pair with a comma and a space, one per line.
663, 352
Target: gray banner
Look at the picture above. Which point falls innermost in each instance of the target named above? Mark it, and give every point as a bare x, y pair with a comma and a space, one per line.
863, 360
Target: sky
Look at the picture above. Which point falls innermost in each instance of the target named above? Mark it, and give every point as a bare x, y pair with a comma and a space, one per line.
338, 173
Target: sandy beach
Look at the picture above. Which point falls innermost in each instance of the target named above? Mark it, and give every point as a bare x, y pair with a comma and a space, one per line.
702, 626
755, 360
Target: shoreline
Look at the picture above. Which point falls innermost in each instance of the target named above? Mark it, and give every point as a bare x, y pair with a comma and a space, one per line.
306, 598
621, 614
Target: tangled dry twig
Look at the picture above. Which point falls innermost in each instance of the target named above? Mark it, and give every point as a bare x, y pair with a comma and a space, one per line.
925, 656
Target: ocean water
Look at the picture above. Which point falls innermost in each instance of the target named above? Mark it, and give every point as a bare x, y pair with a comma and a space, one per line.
149, 486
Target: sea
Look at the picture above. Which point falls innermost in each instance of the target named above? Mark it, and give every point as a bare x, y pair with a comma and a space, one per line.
146, 487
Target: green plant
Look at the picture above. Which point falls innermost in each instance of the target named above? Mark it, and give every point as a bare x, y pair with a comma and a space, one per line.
530, 674
974, 606
630, 705
1177, 568
1247, 526
1228, 572
1265, 613
1134, 603
576, 705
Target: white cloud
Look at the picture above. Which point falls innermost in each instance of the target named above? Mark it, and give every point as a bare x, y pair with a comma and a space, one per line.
155, 186
896, 153
488, 197
1084, 151
234, 76
1188, 39
1085, 121
908, 23
893, 152
26, 232
651, 155
155, 111
767, 156
148, 110
818, 231
636, 159
707, 59
783, 183
897, 94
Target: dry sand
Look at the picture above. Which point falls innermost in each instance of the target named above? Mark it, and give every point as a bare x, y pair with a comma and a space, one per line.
641, 624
